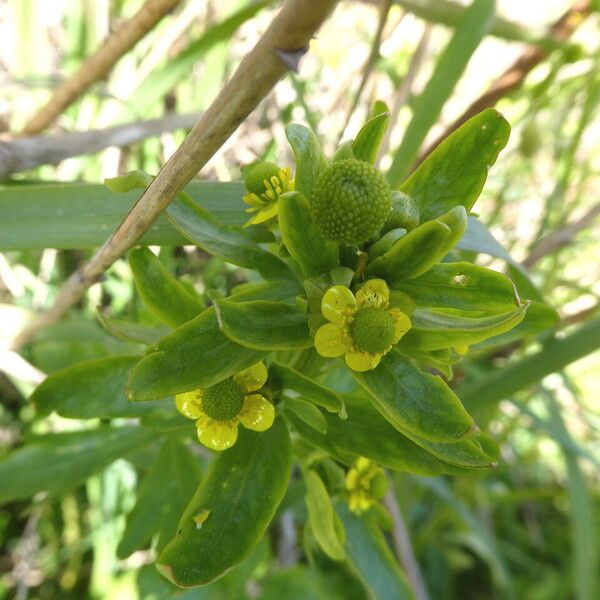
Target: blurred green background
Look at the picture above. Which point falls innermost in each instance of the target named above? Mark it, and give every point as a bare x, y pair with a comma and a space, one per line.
528, 529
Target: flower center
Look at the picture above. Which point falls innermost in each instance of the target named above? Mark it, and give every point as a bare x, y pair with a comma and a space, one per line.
372, 330
223, 401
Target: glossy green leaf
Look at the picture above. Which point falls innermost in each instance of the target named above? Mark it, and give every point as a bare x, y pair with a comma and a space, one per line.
414, 401
314, 254
371, 558
463, 286
161, 498
92, 389
307, 389
197, 355
435, 330
58, 462
321, 516
231, 510
344, 152
455, 172
310, 159
230, 243
366, 144
162, 293
421, 248
129, 331
306, 412
264, 325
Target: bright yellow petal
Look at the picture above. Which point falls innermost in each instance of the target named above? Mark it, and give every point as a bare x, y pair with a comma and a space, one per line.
188, 404
362, 361
264, 214
375, 293
338, 303
217, 435
253, 200
330, 340
252, 378
401, 321
257, 413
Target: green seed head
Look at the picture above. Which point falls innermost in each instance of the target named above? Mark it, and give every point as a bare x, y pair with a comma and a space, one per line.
223, 401
372, 330
258, 174
350, 202
404, 213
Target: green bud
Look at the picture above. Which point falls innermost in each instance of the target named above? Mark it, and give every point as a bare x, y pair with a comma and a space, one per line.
404, 213
351, 201
258, 174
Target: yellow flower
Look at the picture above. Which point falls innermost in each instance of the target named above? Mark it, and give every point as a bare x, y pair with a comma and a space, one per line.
219, 409
365, 484
361, 327
264, 203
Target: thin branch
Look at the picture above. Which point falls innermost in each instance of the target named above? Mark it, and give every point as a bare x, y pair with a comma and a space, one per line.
27, 153
515, 75
99, 64
278, 50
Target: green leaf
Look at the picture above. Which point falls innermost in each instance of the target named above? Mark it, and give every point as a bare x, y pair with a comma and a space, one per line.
321, 516
197, 355
231, 244
371, 559
421, 248
58, 462
307, 389
306, 412
230, 512
414, 401
475, 23
310, 159
132, 332
435, 330
314, 254
264, 325
166, 297
367, 433
455, 172
161, 498
92, 389
366, 144
463, 286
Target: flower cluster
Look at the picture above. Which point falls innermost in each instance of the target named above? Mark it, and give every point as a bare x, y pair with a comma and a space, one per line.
365, 484
265, 183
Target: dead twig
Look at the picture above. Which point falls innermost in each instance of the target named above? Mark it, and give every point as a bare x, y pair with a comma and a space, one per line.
100, 63
278, 50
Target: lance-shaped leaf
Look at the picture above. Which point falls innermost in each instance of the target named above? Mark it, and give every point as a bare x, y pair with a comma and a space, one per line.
92, 389
367, 142
230, 512
129, 331
305, 243
160, 498
197, 355
462, 286
435, 330
264, 325
455, 172
321, 516
414, 401
58, 462
230, 243
310, 159
166, 297
421, 248
371, 558
306, 388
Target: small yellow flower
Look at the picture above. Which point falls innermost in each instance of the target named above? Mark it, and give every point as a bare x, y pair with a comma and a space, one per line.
264, 203
219, 409
365, 484
361, 327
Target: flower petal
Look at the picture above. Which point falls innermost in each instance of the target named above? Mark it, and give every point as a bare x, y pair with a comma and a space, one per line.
189, 404
252, 378
264, 214
217, 435
338, 302
362, 361
401, 322
330, 340
257, 413
253, 200
375, 293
